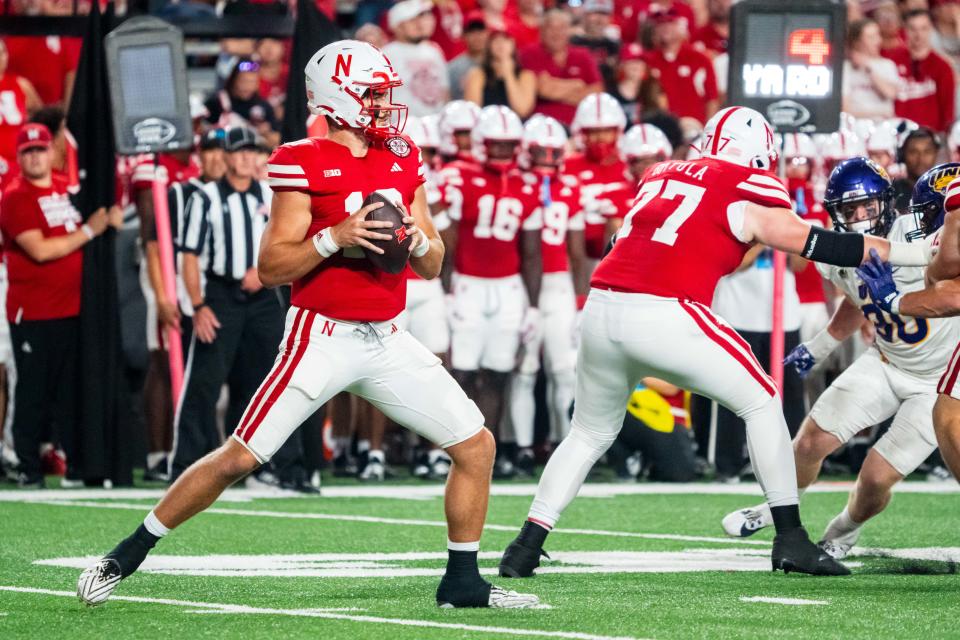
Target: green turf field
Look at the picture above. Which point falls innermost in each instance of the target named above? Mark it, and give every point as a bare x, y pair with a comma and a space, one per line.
363, 563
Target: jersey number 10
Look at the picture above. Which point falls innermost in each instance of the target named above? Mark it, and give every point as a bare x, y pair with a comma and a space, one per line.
687, 196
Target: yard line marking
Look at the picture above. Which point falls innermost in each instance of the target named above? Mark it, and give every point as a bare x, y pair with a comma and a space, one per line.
313, 613
788, 601
427, 492
411, 522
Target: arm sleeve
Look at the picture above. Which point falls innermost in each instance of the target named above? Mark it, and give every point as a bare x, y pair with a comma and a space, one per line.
764, 189
285, 171
195, 223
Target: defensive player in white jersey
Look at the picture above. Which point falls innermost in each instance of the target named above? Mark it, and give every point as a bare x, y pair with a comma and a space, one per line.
937, 211
565, 276
897, 378
344, 328
647, 315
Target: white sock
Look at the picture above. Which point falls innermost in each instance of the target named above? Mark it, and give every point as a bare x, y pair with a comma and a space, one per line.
154, 526
463, 546
363, 445
841, 525
566, 470
376, 453
155, 457
771, 452
522, 407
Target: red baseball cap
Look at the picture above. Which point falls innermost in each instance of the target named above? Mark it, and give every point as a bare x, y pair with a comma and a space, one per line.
33, 135
631, 51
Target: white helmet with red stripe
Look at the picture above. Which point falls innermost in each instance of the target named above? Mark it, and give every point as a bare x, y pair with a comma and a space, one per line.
458, 116
425, 131
497, 124
344, 78
742, 136
841, 145
644, 141
544, 144
599, 111
882, 138
798, 145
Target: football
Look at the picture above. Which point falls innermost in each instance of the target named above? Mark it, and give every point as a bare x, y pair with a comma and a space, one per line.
396, 251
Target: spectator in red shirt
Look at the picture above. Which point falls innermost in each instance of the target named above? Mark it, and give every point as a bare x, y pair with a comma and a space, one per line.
685, 74
565, 74
18, 99
43, 235
632, 14
887, 17
927, 93
711, 38
49, 63
524, 20
274, 71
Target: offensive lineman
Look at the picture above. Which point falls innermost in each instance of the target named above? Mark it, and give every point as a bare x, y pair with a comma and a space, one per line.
342, 330
898, 378
647, 315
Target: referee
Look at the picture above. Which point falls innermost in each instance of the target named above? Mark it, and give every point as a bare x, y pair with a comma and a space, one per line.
237, 324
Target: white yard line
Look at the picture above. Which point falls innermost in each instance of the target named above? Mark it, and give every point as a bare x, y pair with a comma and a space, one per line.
339, 517
329, 615
425, 492
788, 601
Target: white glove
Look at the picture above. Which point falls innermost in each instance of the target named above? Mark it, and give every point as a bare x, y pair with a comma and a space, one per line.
531, 330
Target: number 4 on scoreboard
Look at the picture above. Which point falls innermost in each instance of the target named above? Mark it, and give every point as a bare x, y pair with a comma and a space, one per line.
810, 44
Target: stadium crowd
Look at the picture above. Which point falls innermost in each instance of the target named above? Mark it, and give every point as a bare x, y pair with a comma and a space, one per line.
604, 88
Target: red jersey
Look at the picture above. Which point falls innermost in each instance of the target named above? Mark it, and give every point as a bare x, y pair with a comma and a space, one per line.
809, 281
606, 191
44, 61
709, 39
630, 14
347, 286
580, 64
687, 79
491, 209
176, 171
13, 114
560, 213
927, 89
40, 290
679, 238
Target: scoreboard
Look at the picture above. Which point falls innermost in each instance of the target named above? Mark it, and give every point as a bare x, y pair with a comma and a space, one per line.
786, 61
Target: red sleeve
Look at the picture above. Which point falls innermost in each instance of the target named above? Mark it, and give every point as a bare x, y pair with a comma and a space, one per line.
285, 171
591, 70
710, 81
951, 200
20, 213
946, 95
765, 189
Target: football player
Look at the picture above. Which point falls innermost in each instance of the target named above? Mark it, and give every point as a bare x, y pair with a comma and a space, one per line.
565, 277
939, 225
494, 236
457, 120
897, 378
597, 126
640, 147
342, 331
648, 314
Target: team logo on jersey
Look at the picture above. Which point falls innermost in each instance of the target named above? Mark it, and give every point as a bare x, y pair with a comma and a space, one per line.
940, 180
398, 146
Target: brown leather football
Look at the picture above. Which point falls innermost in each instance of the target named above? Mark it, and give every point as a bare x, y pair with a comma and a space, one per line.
396, 251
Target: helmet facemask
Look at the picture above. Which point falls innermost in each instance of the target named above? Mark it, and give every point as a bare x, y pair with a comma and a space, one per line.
545, 161
501, 155
868, 216
385, 118
600, 144
929, 217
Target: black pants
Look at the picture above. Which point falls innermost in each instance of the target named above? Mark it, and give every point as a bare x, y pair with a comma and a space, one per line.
731, 430
46, 402
251, 327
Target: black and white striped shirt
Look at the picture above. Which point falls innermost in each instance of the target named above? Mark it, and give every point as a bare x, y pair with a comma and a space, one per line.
223, 227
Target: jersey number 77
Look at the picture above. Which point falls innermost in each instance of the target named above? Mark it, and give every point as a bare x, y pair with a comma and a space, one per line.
687, 197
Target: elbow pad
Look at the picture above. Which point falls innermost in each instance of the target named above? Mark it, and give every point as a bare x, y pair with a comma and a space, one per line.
834, 247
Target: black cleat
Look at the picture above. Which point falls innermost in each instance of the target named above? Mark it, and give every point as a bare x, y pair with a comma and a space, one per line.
460, 593
519, 560
794, 551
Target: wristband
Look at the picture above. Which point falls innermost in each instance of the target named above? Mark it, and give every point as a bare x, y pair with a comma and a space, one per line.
324, 243
909, 254
895, 304
88, 231
197, 307
822, 345
422, 248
